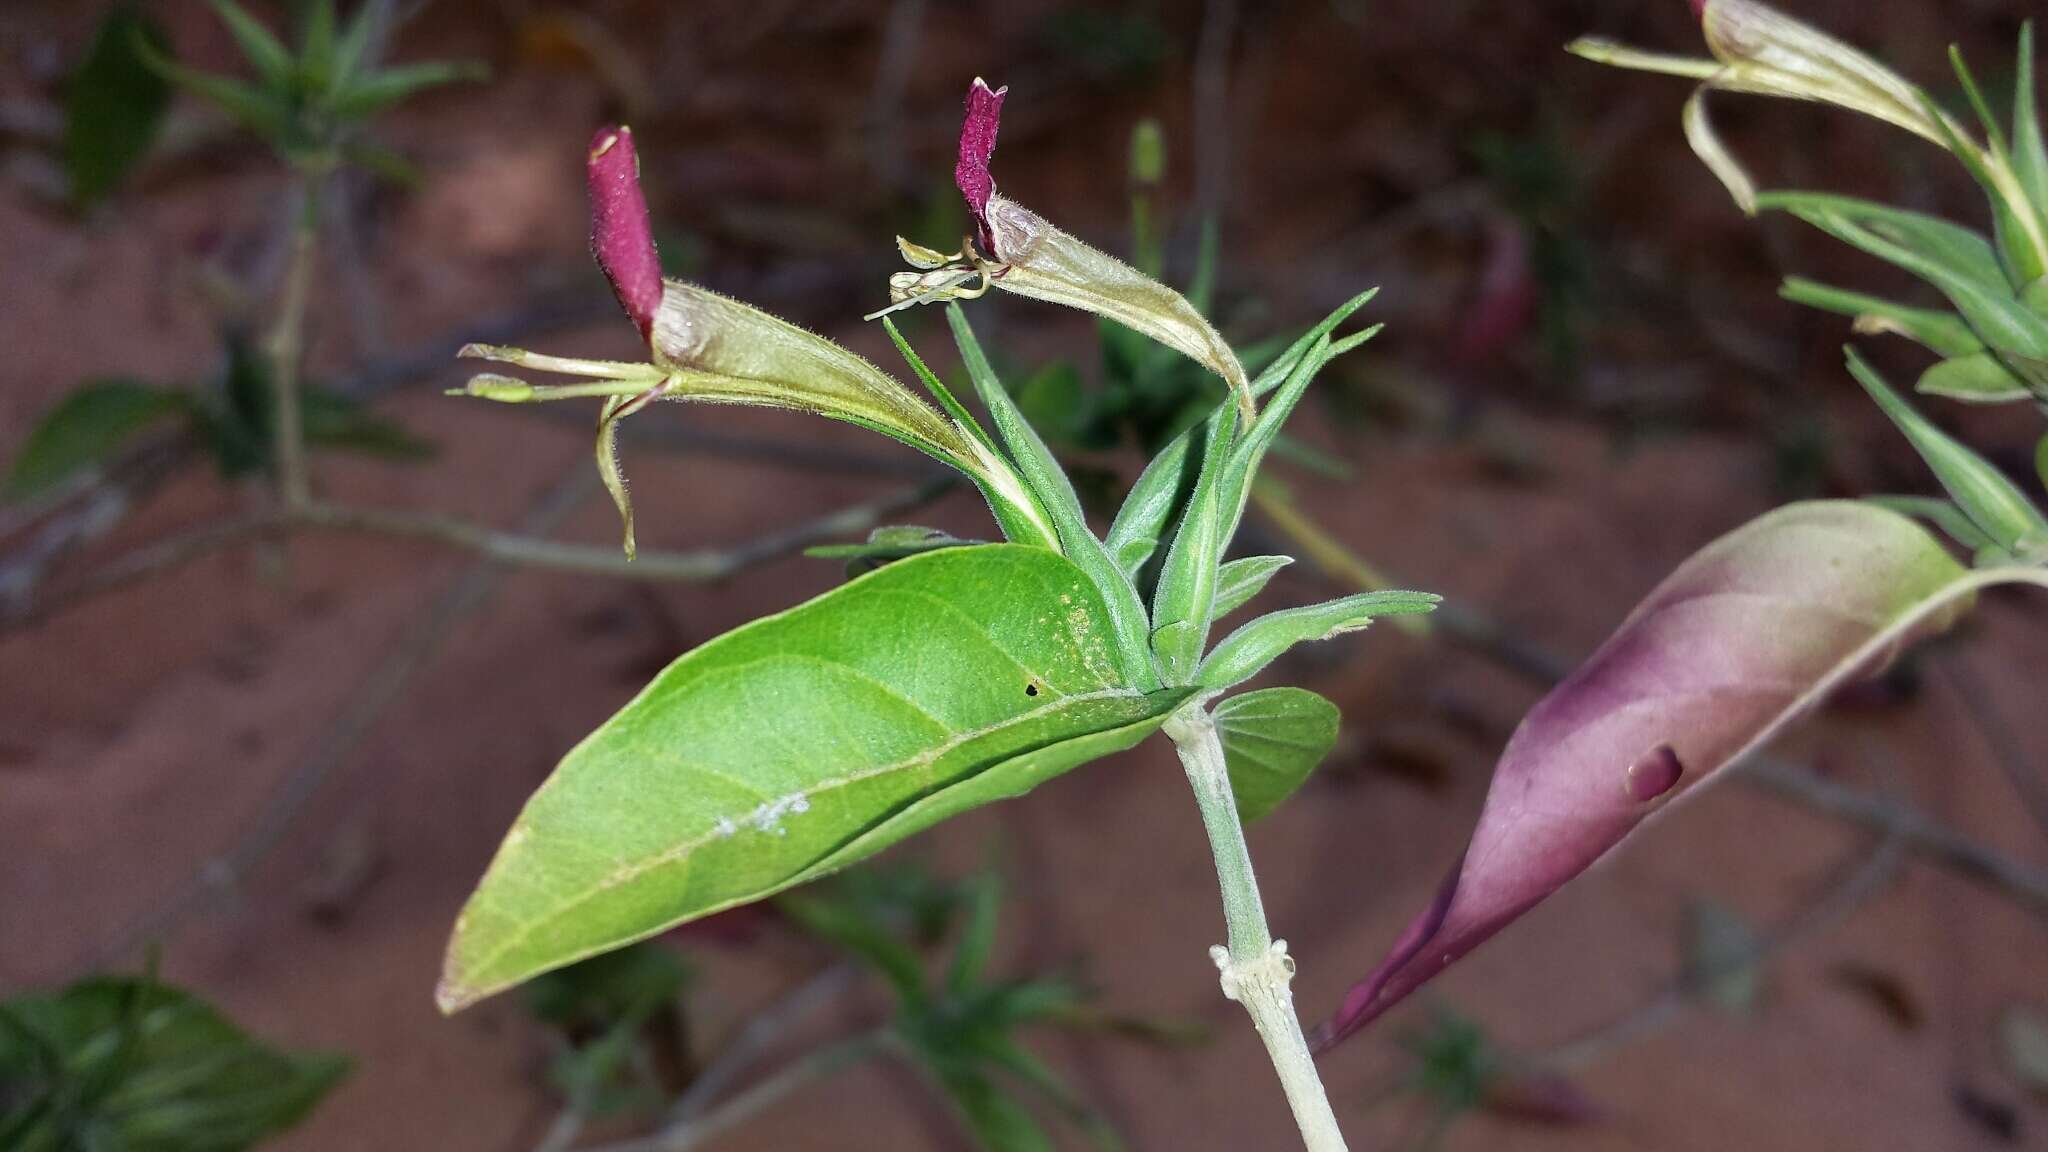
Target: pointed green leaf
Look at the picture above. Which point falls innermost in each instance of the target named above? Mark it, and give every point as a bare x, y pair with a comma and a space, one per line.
92, 423
999, 1123
136, 1065
333, 420
1141, 524
799, 744
114, 102
317, 52
1185, 603
978, 934
1979, 378
1048, 484
1942, 332
1240, 580
850, 926
248, 105
1995, 504
1959, 250
1245, 652
1160, 489
379, 91
1272, 740
265, 52
1955, 260
2029, 153
1009, 501
354, 45
1252, 447
1940, 513
886, 544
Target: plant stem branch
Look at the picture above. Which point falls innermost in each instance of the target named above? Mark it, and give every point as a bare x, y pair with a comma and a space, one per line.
1829, 904
524, 549
222, 875
813, 1067
1923, 834
1256, 969
760, 1034
287, 350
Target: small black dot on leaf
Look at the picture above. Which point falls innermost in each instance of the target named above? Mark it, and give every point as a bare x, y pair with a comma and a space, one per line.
1031, 689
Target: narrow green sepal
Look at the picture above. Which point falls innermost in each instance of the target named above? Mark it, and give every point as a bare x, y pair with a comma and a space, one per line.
2029, 152
1940, 332
1240, 580
1979, 378
1245, 653
1185, 602
1141, 524
1021, 523
1959, 262
1992, 502
1940, 513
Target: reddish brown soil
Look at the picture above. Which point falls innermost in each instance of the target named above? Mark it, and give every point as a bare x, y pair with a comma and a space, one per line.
142, 733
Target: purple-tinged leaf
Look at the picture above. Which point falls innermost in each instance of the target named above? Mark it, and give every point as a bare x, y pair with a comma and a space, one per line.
621, 236
977, 148
1742, 639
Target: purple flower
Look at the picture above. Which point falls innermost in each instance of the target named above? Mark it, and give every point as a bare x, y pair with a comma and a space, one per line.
977, 146
621, 237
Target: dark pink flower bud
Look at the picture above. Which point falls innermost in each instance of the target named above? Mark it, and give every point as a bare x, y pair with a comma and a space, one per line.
1699, 8
621, 237
977, 146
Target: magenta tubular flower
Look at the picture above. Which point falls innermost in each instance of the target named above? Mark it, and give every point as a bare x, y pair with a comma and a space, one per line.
621, 235
977, 148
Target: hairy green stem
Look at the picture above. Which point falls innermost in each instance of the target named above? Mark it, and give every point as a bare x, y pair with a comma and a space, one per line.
287, 349
1255, 968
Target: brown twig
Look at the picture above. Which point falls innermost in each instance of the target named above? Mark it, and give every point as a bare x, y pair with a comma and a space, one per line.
761, 1033
2004, 743
1920, 832
224, 873
518, 548
1828, 905
809, 1069
287, 349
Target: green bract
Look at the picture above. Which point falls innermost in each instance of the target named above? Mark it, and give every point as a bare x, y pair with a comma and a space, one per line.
1273, 739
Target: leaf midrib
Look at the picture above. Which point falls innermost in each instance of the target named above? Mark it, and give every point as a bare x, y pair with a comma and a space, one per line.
682, 852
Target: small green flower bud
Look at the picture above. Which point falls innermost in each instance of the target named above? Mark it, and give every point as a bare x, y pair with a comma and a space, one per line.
1148, 153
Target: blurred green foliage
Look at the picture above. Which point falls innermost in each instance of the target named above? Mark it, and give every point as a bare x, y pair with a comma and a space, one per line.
113, 104
116, 1064
229, 418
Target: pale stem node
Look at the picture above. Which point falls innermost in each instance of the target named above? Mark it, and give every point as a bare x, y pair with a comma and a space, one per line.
1255, 969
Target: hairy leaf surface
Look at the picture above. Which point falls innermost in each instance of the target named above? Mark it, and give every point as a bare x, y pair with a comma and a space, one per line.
799, 744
